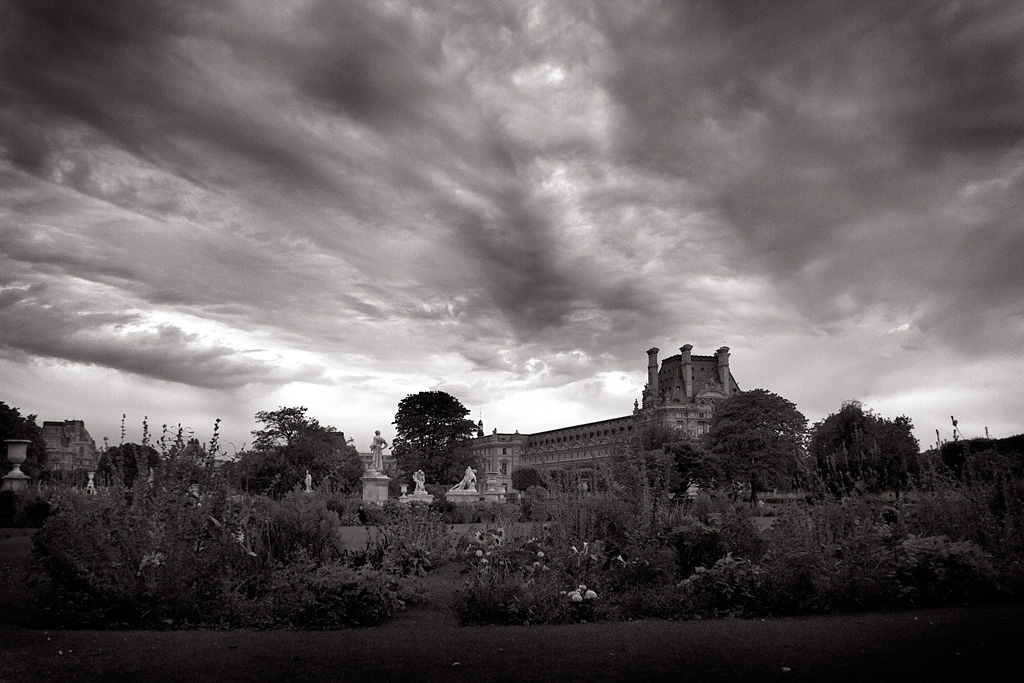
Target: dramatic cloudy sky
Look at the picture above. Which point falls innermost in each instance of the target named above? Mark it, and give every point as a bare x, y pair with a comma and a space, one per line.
214, 207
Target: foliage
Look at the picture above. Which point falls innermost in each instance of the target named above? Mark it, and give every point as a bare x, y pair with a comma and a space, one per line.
14, 426
125, 463
290, 444
330, 596
525, 477
732, 587
694, 467
959, 456
856, 447
412, 541
508, 582
171, 556
22, 509
432, 433
656, 435
298, 523
758, 438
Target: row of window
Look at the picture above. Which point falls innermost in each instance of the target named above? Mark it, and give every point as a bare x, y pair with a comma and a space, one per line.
576, 437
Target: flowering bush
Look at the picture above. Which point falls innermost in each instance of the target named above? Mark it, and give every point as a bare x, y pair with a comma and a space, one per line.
508, 581
412, 541
581, 603
165, 557
732, 587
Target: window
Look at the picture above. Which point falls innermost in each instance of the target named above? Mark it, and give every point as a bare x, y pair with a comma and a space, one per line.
504, 451
504, 468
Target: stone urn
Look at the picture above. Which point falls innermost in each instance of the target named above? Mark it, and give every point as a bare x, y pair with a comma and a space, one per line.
17, 451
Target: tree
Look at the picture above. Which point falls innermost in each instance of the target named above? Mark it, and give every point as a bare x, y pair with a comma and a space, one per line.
693, 466
525, 477
126, 462
857, 448
432, 433
757, 437
14, 426
290, 444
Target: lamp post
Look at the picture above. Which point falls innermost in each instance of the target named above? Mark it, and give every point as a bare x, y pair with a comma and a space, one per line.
16, 480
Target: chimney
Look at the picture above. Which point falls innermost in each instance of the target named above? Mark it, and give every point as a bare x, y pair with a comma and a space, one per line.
652, 373
687, 370
723, 369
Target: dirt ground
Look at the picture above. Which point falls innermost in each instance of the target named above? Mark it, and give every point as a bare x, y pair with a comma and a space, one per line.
425, 644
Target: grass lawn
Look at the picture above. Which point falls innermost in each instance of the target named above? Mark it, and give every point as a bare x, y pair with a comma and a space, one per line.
425, 644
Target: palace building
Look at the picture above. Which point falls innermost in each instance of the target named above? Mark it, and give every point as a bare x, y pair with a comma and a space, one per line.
68, 445
681, 394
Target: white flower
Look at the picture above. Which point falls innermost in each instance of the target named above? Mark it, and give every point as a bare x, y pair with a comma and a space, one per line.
540, 553
154, 559
582, 588
479, 553
590, 595
575, 596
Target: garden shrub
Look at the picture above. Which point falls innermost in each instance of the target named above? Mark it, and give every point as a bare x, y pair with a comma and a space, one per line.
332, 595
164, 558
732, 587
345, 506
412, 541
696, 545
933, 570
298, 522
10, 509
22, 509
700, 544
510, 583
36, 511
147, 560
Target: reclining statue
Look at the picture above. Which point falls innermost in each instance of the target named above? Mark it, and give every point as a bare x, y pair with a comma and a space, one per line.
468, 482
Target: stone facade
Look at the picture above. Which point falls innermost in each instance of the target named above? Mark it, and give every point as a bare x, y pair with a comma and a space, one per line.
69, 446
681, 394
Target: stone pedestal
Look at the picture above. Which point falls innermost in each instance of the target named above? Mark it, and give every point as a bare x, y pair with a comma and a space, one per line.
375, 488
424, 498
16, 480
463, 496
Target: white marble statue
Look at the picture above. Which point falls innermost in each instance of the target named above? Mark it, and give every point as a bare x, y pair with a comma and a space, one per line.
377, 449
468, 482
420, 480
309, 482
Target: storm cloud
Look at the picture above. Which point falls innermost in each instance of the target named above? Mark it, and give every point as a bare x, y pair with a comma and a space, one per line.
336, 204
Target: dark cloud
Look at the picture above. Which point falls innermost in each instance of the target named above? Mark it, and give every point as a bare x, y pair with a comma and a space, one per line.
41, 323
818, 130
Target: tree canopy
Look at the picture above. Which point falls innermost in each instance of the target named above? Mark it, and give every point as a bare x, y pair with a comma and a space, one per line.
289, 444
693, 466
525, 477
14, 426
432, 433
757, 437
126, 462
857, 448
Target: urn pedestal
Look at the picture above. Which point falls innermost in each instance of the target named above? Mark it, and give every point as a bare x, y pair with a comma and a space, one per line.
17, 451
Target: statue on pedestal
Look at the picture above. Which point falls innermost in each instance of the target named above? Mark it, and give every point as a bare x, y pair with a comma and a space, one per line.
420, 479
468, 482
377, 449
309, 482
